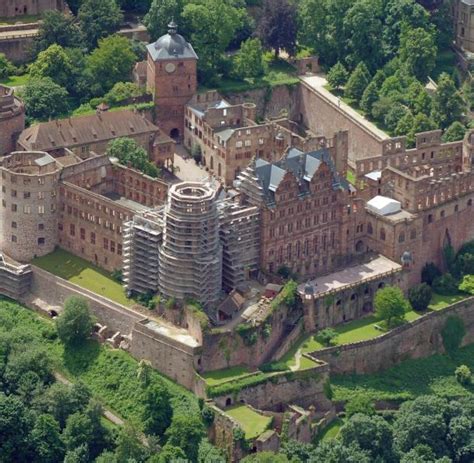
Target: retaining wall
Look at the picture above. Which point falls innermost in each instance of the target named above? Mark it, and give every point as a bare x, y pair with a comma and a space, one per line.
420, 338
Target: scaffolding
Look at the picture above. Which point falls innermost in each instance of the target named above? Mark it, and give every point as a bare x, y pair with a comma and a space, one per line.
191, 253
141, 253
240, 238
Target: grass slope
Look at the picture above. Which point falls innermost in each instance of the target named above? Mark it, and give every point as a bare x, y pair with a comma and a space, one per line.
84, 274
110, 374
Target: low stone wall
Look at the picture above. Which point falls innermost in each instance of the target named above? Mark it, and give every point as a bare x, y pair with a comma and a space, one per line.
416, 339
54, 291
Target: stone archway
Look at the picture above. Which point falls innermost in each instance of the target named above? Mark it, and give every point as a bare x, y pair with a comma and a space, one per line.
174, 134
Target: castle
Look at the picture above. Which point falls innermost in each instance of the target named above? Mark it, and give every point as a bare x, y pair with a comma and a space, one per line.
17, 8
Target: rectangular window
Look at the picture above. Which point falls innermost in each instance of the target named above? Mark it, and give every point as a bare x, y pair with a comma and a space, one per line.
40, 209
26, 195
92, 238
14, 225
40, 241
27, 209
72, 229
41, 226
83, 234
13, 239
106, 243
40, 194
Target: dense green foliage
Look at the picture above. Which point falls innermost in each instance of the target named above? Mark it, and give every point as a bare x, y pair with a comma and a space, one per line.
453, 332
127, 151
75, 323
390, 305
420, 296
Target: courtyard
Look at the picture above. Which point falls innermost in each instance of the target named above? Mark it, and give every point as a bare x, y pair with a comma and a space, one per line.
252, 423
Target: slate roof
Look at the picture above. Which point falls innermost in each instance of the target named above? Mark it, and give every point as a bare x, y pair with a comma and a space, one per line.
302, 165
171, 46
83, 130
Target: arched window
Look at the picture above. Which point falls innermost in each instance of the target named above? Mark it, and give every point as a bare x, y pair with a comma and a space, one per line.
401, 237
382, 234
370, 230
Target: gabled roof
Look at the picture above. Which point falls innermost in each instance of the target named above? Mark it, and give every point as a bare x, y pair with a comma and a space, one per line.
82, 130
302, 165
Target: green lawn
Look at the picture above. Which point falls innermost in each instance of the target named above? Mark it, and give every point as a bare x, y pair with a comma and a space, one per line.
331, 431
83, 273
110, 374
15, 81
409, 379
251, 422
439, 302
213, 378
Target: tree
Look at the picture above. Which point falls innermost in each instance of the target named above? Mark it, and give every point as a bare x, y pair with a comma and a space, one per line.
6, 68
157, 411
296, 451
186, 432
161, 12
429, 273
44, 99
168, 454
334, 451
327, 336
453, 333
129, 446
467, 283
422, 421
363, 27
448, 104
391, 305
422, 123
360, 404
454, 132
337, 76
394, 115
15, 426
121, 92
59, 29
53, 63
371, 433
98, 19
369, 97
445, 285
463, 375
78, 455
248, 63
111, 62
46, 440
418, 51
357, 83
127, 151
265, 457
75, 323
78, 431
420, 296
277, 27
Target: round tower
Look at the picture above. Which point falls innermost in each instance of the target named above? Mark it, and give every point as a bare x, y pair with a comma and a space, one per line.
191, 254
172, 78
28, 217
12, 119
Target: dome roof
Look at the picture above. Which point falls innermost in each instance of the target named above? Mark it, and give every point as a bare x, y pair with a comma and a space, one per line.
171, 46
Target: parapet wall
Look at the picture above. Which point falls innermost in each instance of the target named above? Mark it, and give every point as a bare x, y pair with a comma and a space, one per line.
416, 339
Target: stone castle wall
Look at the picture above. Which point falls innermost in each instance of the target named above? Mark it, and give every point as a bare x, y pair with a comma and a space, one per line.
53, 291
322, 116
303, 388
416, 339
272, 102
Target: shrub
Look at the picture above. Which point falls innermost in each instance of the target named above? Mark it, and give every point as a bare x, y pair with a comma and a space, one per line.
420, 296
453, 332
429, 273
327, 336
196, 153
445, 284
171, 303
463, 375
337, 76
467, 284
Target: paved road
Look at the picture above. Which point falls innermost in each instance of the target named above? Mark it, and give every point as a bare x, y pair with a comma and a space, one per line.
112, 417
